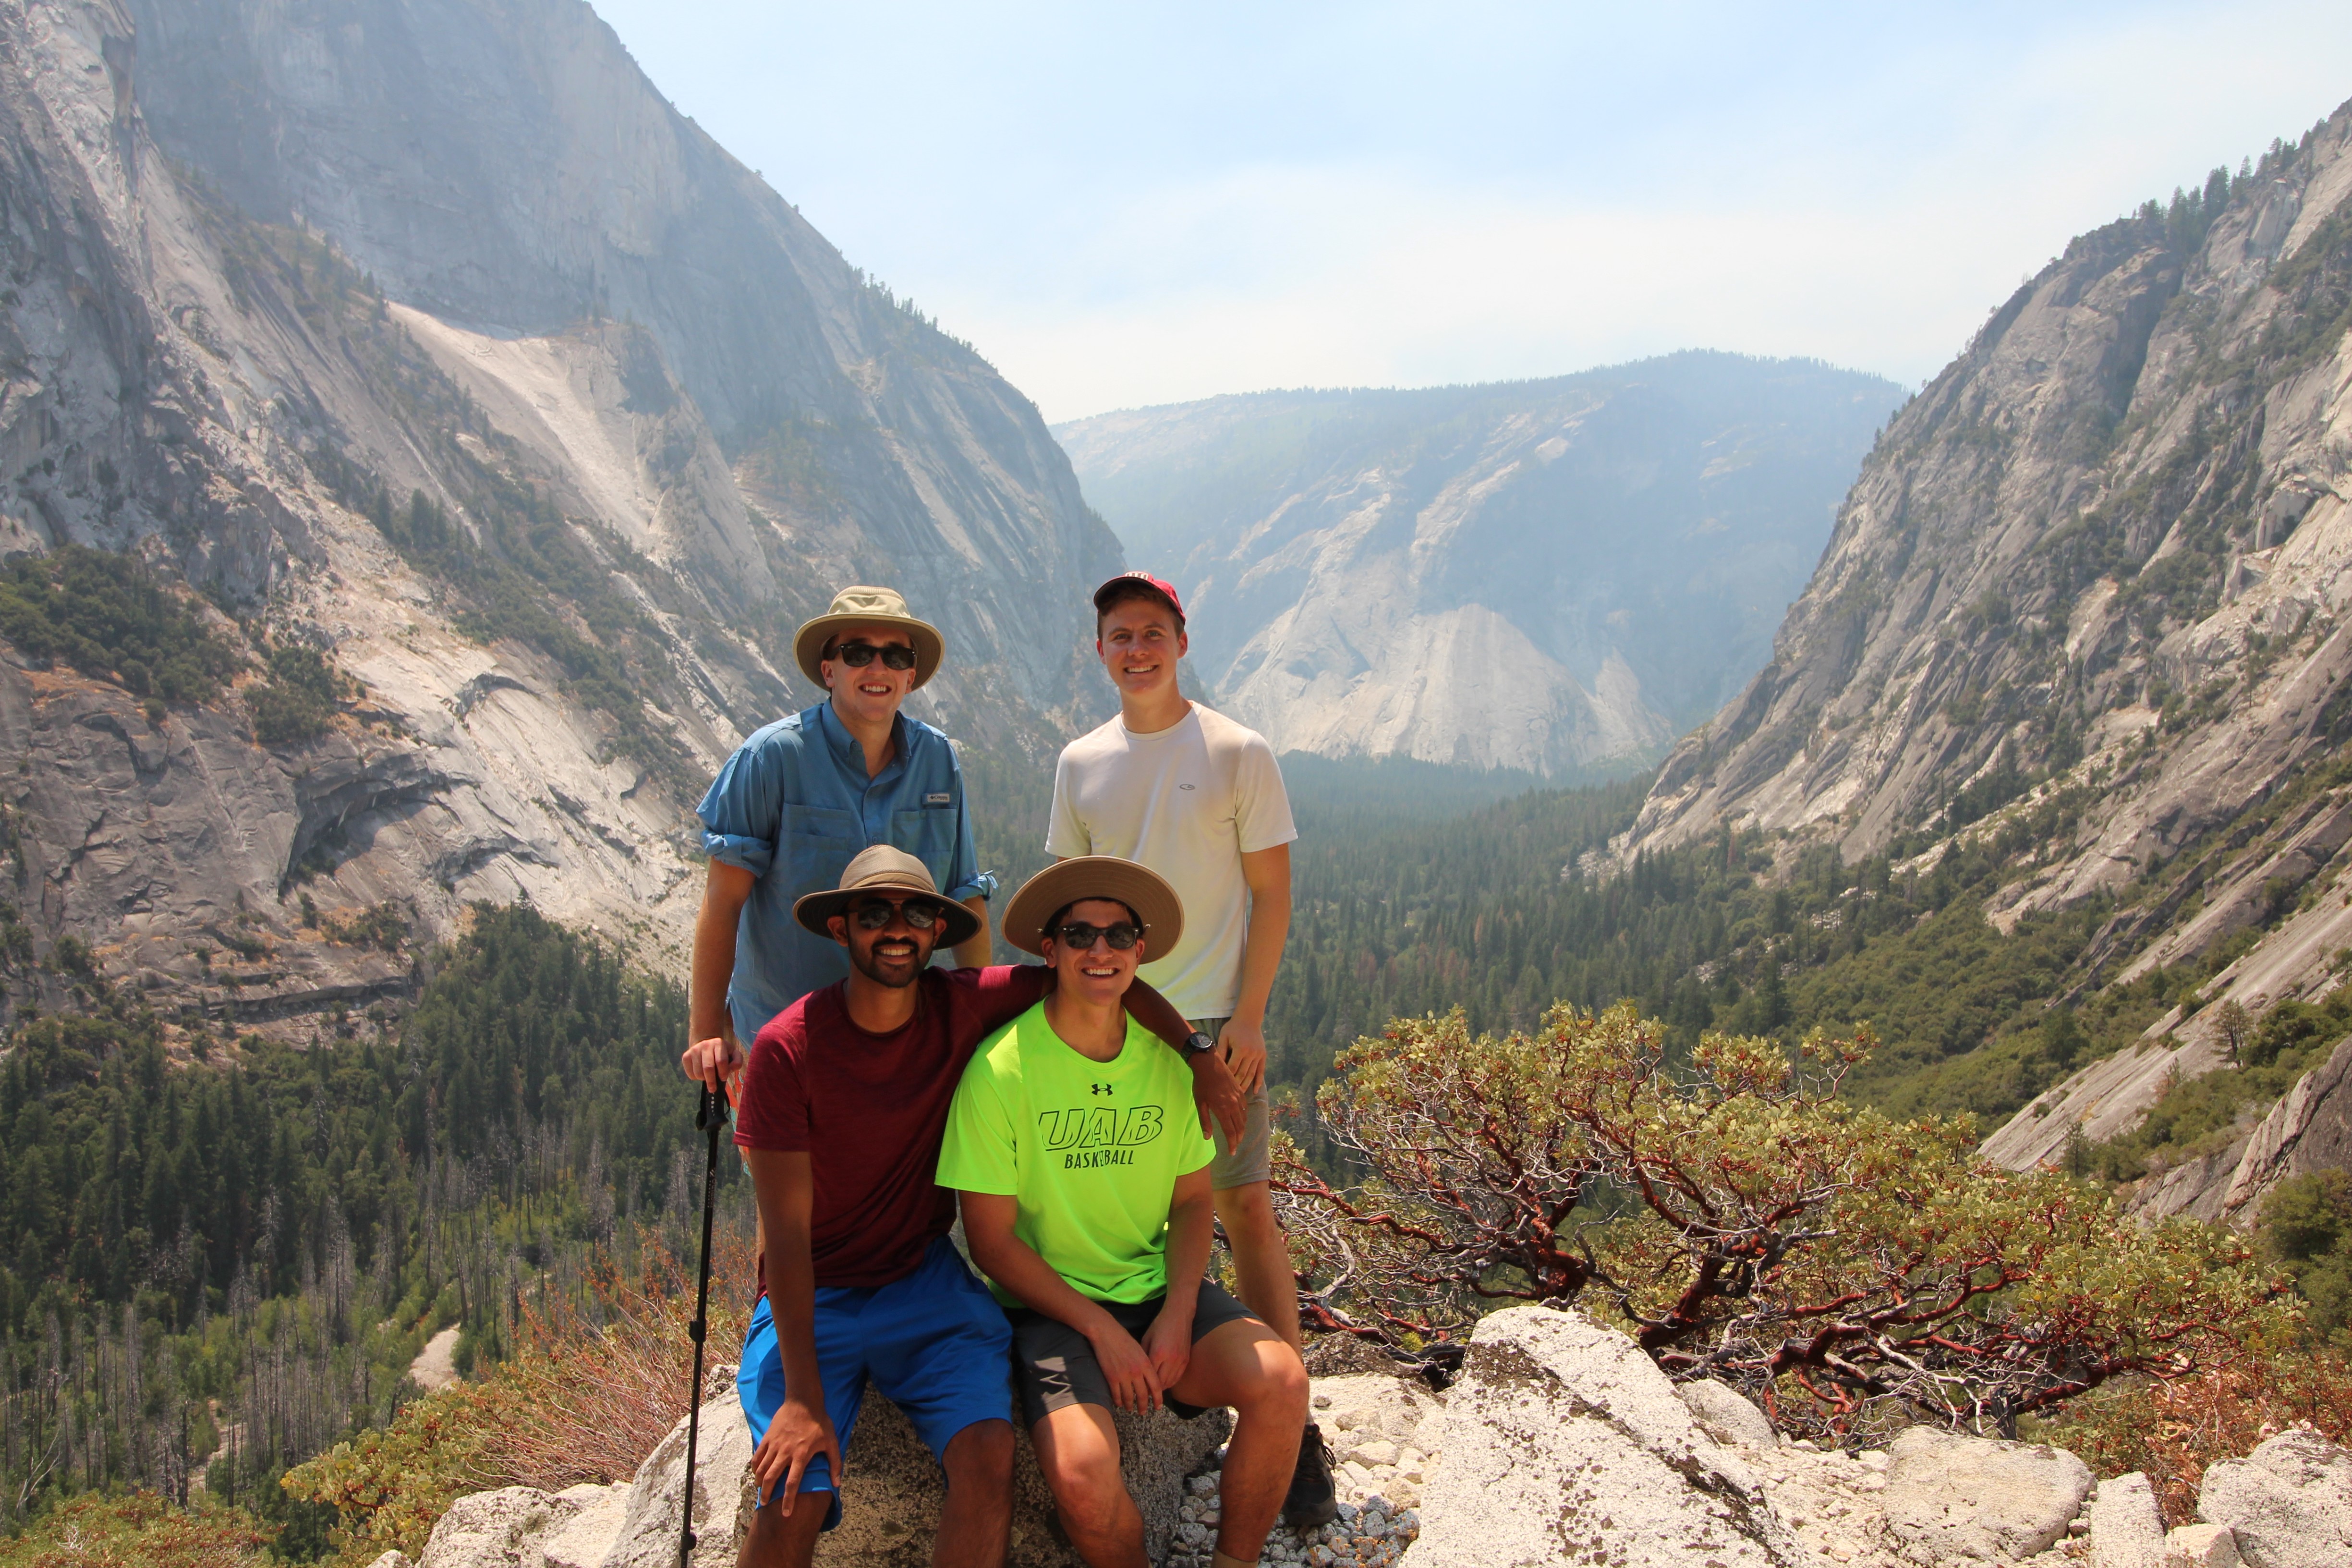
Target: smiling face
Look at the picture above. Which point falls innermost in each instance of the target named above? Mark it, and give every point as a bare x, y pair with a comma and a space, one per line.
1139, 644
870, 694
894, 955
1099, 974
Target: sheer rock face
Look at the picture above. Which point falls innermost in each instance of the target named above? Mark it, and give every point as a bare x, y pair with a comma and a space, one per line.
1546, 576
2111, 541
457, 247
1972, 581
507, 169
2308, 1130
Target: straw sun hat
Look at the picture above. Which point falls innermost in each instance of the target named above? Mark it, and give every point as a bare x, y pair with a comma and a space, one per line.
866, 608
1145, 891
885, 869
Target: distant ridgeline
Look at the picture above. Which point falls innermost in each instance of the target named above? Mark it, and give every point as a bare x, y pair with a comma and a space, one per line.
1358, 563
280, 1230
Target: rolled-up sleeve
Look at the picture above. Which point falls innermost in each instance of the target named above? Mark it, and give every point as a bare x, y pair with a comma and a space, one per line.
741, 812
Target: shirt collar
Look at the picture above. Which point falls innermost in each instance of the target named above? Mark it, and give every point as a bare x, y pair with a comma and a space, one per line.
849, 754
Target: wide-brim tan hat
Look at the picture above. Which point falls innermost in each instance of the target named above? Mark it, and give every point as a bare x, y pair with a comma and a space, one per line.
885, 869
866, 606
1137, 887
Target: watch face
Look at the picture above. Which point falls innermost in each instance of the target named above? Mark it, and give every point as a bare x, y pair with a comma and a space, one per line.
1199, 1044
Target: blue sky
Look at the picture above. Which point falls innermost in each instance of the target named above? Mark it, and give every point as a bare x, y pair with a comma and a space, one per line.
1135, 204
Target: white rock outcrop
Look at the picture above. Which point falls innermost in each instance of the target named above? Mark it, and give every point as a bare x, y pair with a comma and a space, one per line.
1726, 1414
722, 1494
2202, 1546
1953, 1501
499, 1529
2288, 1503
584, 1540
891, 1495
1565, 1444
2127, 1528
890, 1501
1561, 1444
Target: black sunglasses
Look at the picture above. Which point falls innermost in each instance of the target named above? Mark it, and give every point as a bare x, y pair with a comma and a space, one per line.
858, 655
1079, 936
877, 915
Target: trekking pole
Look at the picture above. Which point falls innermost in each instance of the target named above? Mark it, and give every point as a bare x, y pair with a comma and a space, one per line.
710, 1116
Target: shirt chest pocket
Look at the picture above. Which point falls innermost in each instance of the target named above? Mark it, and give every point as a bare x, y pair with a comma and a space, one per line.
927, 833
818, 842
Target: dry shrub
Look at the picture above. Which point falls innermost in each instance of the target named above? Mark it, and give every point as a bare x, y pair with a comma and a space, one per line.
591, 1402
597, 1386
2172, 1430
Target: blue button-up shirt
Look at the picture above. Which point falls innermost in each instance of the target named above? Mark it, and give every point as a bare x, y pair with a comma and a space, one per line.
793, 806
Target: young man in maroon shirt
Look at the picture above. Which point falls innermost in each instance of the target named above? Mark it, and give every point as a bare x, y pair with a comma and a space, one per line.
843, 1105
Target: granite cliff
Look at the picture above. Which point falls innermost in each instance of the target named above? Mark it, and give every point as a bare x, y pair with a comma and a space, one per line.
2095, 573
429, 338
1550, 575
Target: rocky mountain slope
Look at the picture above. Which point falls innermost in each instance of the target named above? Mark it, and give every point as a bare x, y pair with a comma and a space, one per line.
1548, 575
429, 338
2094, 575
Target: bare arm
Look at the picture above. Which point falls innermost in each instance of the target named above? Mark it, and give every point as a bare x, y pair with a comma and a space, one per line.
800, 1431
973, 952
1215, 1093
1267, 872
712, 1050
1191, 1225
1014, 1264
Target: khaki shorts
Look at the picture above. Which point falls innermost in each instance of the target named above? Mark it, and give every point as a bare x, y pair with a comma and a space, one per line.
1237, 1166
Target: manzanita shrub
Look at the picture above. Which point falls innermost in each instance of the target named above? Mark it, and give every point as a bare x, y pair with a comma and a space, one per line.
1848, 1270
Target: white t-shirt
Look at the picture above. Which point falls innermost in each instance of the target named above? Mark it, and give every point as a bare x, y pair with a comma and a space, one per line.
1189, 802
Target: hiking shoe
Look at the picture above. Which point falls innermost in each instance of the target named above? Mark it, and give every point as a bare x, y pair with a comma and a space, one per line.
1311, 1501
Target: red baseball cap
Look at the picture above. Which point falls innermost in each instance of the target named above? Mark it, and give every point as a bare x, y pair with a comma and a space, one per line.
1159, 585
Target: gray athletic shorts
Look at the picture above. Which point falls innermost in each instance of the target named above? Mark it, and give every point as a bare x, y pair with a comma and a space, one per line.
1054, 1365
1237, 1166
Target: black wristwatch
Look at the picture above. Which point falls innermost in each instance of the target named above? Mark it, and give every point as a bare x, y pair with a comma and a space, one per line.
1197, 1043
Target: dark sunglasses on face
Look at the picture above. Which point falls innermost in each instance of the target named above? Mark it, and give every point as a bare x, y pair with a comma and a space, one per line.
858, 655
876, 916
1121, 936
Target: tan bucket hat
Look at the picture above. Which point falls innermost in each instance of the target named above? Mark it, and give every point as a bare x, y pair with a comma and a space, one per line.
866, 606
884, 867
1137, 886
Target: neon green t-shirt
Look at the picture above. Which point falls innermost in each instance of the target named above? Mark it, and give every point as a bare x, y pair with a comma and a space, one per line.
1090, 1150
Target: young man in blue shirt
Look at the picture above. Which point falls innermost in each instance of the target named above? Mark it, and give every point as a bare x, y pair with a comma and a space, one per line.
801, 797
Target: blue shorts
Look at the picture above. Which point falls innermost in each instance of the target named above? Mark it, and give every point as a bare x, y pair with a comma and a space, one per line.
936, 1343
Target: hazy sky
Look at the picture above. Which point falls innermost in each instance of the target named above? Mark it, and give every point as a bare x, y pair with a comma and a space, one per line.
1145, 203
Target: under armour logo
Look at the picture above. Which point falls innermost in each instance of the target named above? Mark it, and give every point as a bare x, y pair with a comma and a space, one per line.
1101, 1089
1183, 786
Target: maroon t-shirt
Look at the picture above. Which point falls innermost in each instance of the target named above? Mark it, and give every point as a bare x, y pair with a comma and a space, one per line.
870, 1110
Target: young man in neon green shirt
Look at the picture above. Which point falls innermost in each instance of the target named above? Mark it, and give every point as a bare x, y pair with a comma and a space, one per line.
1085, 1185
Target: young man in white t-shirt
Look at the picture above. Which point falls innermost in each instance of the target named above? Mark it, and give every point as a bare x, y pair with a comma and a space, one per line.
1199, 799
